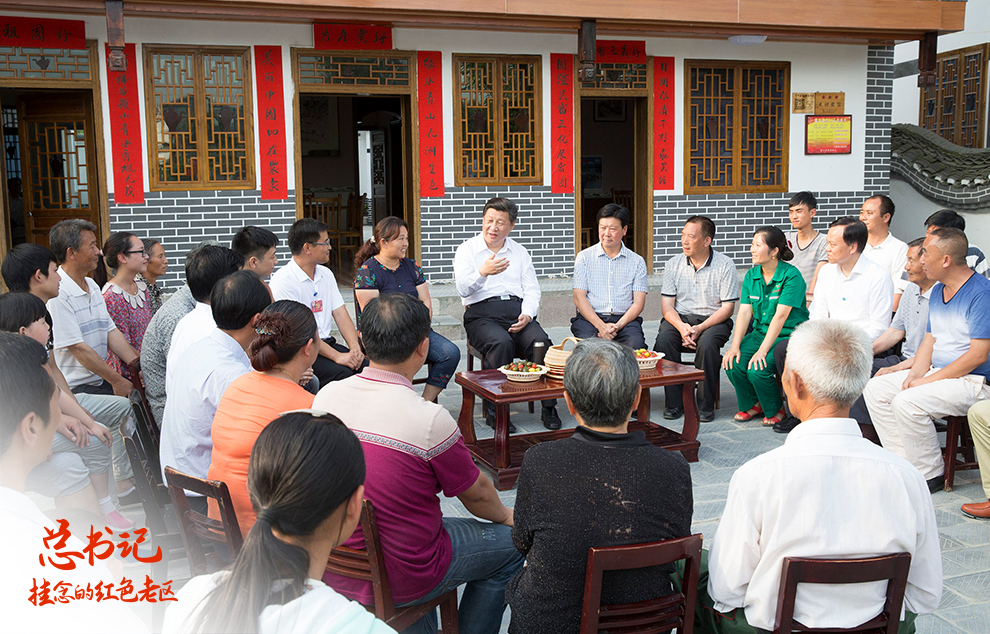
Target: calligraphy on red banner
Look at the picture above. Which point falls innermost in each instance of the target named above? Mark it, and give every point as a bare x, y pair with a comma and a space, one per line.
620, 51
562, 118
663, 123
352, 37
430, 124
271, 122
125, 132
42, 32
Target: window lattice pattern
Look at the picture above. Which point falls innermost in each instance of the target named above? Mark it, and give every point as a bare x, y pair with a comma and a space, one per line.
736, 126
498, 136
175, 117
618, 76
225, 123
762, 108
57, 163
47, 63
344, 70
200, 103
11, 143
954, 107
711, 113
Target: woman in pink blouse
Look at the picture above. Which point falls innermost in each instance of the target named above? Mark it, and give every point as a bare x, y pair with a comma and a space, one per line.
128, 301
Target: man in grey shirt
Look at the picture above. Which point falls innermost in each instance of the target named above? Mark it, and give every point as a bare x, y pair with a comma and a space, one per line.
205, 265
699, 292
909, 325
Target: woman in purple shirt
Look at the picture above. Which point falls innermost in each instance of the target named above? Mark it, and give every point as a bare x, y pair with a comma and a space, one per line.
382, 267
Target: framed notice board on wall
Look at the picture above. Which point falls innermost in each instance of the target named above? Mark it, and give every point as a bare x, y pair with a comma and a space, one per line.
828, 134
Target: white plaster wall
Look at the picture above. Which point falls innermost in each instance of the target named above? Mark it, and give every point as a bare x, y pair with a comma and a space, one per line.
912, 209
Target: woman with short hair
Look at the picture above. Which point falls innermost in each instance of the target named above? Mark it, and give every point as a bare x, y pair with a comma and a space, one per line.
157, 266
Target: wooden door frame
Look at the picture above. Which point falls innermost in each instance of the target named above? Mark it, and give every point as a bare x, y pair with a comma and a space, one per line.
643, 156
409, 111
93, 85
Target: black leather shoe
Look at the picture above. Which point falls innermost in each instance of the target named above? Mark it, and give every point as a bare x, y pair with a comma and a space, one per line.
490, 421
673, 413
936, 484
786, 425
550, 418
706, 417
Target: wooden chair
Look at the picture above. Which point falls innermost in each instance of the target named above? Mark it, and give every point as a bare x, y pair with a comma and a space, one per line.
195, 526
369, 565
958, 442
146, 429
350, 232
623, 197
654, 615
474, 353
138, 383
893, 568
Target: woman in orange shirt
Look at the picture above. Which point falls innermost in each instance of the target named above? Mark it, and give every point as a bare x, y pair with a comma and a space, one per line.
286, 346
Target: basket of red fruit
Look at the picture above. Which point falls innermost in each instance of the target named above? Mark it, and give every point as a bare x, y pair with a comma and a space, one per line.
523, 371
647, 359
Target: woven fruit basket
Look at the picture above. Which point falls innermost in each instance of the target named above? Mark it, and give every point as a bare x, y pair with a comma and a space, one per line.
647, 359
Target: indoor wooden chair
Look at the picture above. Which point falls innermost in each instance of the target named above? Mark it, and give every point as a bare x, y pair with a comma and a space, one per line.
196, 527
135, 369
654, 615
958, 454
351, 232
893, 568
623, 197
146, 429
369, 565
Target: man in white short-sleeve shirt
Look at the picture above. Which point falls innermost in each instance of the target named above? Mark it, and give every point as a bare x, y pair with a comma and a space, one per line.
881, 245
304, 279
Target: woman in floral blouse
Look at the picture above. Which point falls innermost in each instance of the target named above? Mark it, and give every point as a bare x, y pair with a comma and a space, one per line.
382, 267
128, 300
157, 265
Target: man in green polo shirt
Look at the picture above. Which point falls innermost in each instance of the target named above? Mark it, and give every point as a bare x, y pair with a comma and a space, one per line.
773, 298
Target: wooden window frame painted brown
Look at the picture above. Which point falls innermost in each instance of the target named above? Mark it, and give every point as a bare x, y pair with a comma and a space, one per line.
981, 105
203, 183
738, 66
459, 179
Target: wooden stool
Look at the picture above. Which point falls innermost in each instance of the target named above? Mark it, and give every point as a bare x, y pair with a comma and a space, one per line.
472, 353
958, 442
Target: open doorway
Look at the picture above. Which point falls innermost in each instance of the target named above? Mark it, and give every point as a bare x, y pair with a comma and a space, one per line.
614, 158
49, 167
352, 168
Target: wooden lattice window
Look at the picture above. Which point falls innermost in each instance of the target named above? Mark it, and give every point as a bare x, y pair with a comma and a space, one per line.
497, 134
200, 132
736, 124
954, 108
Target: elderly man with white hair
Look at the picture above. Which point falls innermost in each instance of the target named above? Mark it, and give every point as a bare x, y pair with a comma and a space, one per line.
828, 493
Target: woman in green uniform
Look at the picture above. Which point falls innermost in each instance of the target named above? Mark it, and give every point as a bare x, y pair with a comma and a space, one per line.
773, 299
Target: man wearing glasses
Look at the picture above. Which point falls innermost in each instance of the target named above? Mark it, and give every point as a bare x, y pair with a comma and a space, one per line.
303, 280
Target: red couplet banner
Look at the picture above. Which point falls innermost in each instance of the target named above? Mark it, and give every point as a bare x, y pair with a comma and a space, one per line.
126, 132
430, 100
271, 122
352, 37
42, 32
562, 118
663, 123
620, 51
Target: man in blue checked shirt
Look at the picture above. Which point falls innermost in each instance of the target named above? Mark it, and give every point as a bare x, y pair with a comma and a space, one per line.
610, 284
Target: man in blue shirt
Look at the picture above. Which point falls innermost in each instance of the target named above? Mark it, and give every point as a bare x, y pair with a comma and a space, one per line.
610, 284
951, 368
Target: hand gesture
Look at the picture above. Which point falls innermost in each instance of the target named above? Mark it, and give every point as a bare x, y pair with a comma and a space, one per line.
354, 359
493, 266
73, 429
759, 360
730, 358
521, 323
306, 377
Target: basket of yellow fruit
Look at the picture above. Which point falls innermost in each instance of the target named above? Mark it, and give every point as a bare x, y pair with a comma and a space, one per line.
523, 371
647, 359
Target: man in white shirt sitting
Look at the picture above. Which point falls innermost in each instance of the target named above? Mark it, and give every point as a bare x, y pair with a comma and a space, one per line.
827, 493
497, 283
881, 245
203, 372
306, 280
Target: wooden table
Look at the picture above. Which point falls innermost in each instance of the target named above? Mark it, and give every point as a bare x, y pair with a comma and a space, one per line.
503, 454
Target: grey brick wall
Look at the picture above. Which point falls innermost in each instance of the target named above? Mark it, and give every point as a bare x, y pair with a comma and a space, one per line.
879, 101
181, 220
545, 227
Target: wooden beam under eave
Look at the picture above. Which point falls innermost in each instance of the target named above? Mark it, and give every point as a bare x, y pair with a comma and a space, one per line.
891, 15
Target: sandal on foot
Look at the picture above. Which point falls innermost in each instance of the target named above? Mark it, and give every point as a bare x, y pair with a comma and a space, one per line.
776, 418
749, 414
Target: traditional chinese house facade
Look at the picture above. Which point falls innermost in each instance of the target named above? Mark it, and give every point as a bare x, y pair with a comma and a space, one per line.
185, 120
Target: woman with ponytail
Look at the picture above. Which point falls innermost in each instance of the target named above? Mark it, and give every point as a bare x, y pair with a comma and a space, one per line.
128, 300
773, 299
305, 479
382, 267
281, 355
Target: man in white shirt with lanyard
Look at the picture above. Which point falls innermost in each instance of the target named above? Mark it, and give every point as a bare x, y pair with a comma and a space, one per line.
881, 245
304, 279
497, 283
